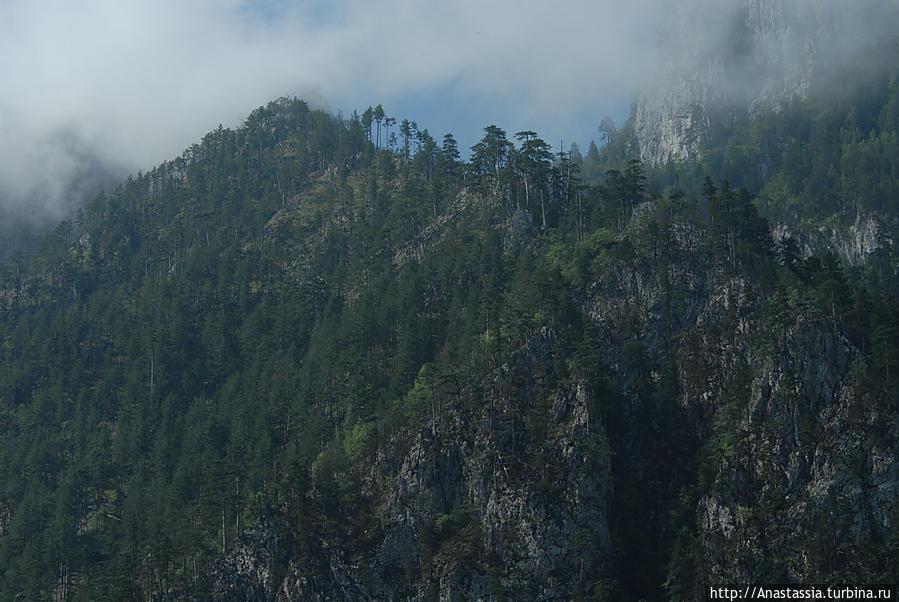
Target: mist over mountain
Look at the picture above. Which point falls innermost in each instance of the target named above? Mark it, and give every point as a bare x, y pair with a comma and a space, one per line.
52, 176
723, 63
47, 180
137, 85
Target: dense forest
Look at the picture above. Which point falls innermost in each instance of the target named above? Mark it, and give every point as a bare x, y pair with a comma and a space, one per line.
324, 354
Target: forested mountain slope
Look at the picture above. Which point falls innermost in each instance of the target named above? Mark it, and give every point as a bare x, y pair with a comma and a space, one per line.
294, 364
822, 168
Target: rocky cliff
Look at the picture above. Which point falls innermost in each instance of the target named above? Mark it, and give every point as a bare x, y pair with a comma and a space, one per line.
853, 243
503, 491
708, 436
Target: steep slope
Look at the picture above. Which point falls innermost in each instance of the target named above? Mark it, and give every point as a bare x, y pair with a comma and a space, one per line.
794, 100
499, 497
720, 429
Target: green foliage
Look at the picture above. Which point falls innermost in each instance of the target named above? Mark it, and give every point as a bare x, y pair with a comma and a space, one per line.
245, 327
454, 538
813, 160
591, 256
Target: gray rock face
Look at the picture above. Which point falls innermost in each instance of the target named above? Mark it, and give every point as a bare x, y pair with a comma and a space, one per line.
804, 455
802, 478
250, 570
852, 243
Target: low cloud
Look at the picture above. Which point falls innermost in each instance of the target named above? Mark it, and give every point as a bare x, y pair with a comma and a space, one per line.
763, 51
130, 84
126, 85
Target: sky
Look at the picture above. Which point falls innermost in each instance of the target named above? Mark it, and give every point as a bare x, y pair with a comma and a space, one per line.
125, 85
96, 89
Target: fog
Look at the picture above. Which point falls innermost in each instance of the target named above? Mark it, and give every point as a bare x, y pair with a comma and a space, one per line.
97, 89
764, 50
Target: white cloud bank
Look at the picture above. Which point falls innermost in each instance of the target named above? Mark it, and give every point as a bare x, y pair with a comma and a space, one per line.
130, 83
133, 83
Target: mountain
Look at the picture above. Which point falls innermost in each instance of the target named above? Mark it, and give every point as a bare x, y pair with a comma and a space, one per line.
292, 364
795, 101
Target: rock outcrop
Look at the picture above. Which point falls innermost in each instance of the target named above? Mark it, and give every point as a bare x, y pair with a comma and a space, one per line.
853, 243
510, 499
